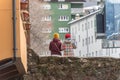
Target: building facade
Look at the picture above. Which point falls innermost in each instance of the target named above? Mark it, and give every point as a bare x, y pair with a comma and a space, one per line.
14, 25
63, 11
83, 30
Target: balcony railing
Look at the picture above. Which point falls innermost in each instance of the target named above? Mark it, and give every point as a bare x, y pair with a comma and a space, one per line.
76, 10
111, 44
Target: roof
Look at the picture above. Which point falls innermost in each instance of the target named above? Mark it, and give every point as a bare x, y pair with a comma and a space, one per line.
76, 20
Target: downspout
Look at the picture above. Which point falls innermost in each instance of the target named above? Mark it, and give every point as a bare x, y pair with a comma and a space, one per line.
14, 29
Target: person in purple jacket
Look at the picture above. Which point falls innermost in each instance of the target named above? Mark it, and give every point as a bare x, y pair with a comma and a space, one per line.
55, 45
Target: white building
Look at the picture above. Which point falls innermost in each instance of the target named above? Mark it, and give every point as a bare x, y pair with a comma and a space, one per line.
90, 3
83, 30
91, 6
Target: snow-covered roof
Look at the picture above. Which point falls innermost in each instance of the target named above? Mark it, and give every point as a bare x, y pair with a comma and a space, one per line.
73, 21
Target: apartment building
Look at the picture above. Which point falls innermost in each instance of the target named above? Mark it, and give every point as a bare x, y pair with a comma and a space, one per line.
83, 30
63, 11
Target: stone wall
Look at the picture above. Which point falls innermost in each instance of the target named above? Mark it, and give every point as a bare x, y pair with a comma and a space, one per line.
63, 68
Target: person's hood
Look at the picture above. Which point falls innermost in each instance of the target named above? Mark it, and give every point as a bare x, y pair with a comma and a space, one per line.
55, 40
68, 40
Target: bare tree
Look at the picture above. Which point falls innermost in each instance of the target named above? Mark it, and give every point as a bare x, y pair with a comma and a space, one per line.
38, 26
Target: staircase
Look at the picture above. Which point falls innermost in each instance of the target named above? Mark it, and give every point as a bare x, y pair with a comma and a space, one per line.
10, 70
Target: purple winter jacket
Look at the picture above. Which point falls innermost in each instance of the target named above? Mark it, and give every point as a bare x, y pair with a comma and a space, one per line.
55, 47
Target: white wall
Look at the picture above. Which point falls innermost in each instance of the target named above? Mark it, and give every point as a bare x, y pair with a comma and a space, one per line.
83, 31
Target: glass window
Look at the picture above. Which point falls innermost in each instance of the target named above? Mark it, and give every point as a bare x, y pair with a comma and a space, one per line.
91, 23
89, 40
86, 41
112, 19
92, 54
63, 30
63, 18
82, 27
92, 39
63, 6
88, 25
83, 42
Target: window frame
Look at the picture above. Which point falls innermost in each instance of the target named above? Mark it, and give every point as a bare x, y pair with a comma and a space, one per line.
63, 30
63, 18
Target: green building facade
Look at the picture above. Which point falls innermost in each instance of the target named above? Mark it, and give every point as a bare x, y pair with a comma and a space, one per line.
63, 11
60, 18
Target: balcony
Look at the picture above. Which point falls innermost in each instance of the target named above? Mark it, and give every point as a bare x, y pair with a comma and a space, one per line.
77, 10
110, 44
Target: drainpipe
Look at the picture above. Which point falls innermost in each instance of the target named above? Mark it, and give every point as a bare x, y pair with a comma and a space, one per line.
14, 28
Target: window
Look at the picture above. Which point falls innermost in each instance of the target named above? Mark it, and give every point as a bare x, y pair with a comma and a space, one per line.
89, 40
92, 39
91, 23
92, 54
86, 41
46, 6
88, 25
63, 30
63, 6
63, 18
46, 18
82, 27
83, 42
